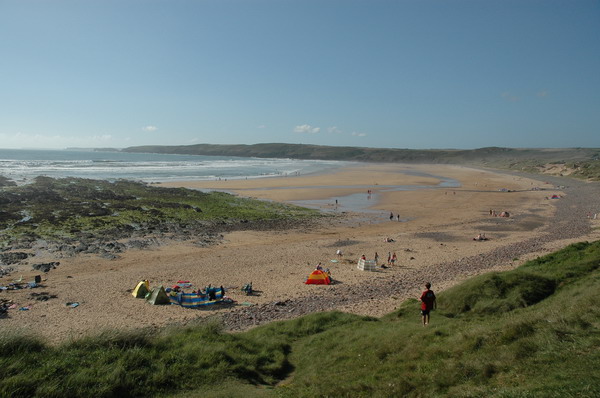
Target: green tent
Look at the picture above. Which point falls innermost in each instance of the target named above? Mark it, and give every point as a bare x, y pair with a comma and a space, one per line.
158, 296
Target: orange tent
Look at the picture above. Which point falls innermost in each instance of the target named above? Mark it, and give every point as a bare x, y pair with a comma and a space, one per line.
318, 277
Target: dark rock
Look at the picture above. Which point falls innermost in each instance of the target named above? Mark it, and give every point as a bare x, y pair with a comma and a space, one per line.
12, 257
46, 267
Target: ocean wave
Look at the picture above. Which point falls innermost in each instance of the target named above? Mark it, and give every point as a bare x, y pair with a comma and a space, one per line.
26, 164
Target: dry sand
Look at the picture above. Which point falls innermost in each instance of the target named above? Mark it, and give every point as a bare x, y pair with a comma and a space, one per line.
437, 226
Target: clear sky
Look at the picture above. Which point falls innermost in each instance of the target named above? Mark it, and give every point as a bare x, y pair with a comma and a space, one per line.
403, 74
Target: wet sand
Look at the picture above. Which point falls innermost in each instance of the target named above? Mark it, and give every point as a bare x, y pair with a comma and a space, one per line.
436, 228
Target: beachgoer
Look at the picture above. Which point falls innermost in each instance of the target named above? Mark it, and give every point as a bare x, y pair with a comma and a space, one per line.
319, 267
339, 253
363, 257
398, 217
391, 216
389, 260
376, 258
428, 303
394, 258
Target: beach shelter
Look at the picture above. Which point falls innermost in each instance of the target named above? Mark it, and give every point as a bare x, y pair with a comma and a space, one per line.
193, 300
159, 296
318, 277
367, 265
141, 290
555, 197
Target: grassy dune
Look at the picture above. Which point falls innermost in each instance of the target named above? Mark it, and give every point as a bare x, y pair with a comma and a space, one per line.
530, 332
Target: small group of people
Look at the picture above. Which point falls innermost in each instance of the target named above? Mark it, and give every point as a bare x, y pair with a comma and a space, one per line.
493, 213
392, 258
392, 216
210, 292
480, 237
320, 267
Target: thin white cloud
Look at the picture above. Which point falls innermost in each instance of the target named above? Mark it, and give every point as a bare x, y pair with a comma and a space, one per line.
355, 134
262, 126
102, 138
543, 93
54, 141
334, 130
509, 97
306, 129
150, 128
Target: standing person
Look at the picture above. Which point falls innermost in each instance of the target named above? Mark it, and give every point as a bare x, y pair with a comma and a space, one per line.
391, 216
376, 258
398, 217
389, 258
427, 303
394, 258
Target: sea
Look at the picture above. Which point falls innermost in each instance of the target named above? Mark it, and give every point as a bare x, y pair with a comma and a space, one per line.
22, 165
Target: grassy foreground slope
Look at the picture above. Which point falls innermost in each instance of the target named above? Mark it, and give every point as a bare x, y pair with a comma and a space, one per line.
530, 332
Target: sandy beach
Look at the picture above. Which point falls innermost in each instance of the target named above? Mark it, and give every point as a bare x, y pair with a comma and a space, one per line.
435, 228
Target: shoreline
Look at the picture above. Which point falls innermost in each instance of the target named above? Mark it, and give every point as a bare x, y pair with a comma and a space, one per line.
435, 244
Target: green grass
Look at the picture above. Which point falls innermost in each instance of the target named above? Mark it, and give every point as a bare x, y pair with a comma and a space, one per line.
530, 332
60, 209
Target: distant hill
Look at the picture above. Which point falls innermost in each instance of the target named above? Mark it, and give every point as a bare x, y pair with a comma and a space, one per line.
581, 162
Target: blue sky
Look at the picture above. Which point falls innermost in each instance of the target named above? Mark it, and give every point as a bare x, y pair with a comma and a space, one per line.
404, 74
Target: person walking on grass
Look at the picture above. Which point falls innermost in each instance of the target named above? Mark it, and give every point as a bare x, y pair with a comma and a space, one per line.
427, 303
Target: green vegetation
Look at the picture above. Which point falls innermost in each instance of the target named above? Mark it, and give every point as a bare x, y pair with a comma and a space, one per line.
587, 170
56, 209
531, 332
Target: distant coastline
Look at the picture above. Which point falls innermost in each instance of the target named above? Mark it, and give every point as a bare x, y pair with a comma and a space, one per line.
582, 163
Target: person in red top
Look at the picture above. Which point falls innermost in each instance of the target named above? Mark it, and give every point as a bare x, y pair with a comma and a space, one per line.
427, 303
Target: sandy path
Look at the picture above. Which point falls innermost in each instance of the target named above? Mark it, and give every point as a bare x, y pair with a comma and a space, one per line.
439, 229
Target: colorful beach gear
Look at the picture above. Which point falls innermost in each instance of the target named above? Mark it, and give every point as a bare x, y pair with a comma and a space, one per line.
213, 295
158, 296
318, 277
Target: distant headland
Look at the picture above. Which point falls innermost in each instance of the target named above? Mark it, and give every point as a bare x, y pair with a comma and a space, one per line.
577, 162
